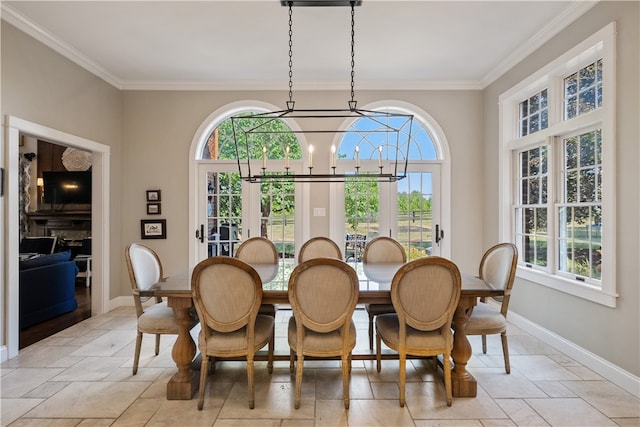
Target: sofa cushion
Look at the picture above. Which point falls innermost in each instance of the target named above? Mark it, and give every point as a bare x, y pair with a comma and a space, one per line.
43, 260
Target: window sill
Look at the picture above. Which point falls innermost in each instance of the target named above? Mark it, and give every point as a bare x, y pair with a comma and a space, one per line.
567, 286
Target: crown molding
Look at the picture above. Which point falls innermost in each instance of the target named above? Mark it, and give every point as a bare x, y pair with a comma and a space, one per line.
14, 18
565, 18
555, 26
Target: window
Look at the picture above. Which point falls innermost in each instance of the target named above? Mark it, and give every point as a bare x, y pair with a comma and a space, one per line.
557, 150
534, 114
408, 210
236, 210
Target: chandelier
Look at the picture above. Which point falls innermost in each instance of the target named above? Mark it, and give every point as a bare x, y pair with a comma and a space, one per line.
376, 143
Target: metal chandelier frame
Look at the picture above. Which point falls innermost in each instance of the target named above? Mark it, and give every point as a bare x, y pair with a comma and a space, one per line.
389, 132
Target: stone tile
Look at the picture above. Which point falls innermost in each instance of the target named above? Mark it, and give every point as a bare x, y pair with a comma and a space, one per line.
501, 385
555, 389
362, 413
541, 368
428, 401
184, 413
91, 369
57, 422
271, 401
140, 412
89, 400
569, 412
607, 398
585, 373
21, 381
12, 409
448, 423
521, 413
106, 344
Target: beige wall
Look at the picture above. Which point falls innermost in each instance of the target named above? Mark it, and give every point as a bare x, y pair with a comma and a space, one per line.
612, 334
159, 127
40, 86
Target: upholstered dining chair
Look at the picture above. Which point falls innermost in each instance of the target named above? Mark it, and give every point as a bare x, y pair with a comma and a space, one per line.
381, 250
319, 247
323, 293
498, 268
259, 250
145, 270
425, 293
227, 293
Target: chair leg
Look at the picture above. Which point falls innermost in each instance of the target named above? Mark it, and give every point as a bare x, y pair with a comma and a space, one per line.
378, 353
505, 352
252, 400
203, 381
270, 353
346, 369
157, 344
403, 377
446, 367
299, 380
136, 355
370, 331
484, 344
291, 361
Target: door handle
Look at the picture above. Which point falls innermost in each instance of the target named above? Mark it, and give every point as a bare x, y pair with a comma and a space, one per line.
200, 233
439, 234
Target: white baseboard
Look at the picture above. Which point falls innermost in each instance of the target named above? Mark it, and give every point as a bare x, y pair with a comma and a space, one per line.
125, 301
608, 370
4, 353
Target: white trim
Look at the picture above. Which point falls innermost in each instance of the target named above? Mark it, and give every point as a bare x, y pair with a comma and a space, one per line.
197, 143
546, 33
601, 44
100, 228
53, 42
608, 370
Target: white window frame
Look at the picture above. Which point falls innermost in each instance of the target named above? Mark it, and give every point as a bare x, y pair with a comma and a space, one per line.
599, 45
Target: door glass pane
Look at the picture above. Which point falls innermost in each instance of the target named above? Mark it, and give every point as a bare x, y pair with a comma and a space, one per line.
224, 212
415, 214
277, 220
361, 205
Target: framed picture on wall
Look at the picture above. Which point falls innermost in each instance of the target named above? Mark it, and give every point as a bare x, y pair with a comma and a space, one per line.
153, 195
154, 209
153, 228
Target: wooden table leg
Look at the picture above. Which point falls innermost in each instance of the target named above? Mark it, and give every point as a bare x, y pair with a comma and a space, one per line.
463, 383
183, 385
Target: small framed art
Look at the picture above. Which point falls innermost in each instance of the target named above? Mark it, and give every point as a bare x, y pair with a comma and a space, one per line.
154, 209
153, 195
153, 228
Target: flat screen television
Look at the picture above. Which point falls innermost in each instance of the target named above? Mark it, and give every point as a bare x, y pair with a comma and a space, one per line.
63, 187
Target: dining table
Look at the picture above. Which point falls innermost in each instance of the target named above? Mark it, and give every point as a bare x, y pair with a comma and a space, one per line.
375, 283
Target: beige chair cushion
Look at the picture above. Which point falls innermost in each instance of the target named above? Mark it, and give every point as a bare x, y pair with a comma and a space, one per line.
485, 320
314, 342
236, 341
389, 326
158, 319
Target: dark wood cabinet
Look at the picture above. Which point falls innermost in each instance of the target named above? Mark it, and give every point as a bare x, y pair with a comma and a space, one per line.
71, 225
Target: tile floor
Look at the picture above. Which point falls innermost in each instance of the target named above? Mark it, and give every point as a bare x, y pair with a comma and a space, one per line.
82, 377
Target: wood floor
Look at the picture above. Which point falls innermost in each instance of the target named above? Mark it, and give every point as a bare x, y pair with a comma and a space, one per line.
42, 330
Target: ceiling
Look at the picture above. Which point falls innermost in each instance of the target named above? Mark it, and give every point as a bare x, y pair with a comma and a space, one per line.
236, 45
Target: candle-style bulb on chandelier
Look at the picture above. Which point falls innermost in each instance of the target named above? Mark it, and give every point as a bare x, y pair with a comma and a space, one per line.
366, 145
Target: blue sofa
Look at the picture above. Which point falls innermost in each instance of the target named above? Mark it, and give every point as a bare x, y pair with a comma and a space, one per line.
47, 287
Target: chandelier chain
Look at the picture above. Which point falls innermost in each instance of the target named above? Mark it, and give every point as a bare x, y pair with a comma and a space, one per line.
290, 54
353, 63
